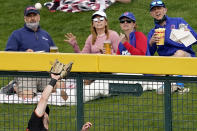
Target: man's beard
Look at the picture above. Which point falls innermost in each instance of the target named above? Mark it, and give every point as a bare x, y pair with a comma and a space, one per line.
32, 26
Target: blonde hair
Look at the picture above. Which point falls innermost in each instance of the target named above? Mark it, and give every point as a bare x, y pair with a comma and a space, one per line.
94, 33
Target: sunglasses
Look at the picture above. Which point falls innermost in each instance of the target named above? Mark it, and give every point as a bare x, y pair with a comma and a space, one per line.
157, 2
127, 21
97, 19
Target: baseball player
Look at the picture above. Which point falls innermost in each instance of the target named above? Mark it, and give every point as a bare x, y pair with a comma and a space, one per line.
39, 120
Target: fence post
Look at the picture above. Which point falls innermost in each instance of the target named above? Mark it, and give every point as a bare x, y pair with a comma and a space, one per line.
168, 107
80, 110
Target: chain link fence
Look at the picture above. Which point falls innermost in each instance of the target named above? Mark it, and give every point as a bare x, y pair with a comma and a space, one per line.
112, 102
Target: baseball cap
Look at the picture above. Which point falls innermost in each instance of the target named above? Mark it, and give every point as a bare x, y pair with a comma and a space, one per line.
30, 9
156, 3
99, 13
128, 15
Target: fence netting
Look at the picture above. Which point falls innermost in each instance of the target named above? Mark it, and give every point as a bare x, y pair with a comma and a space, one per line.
110, 103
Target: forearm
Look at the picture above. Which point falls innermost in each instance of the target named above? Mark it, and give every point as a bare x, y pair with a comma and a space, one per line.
75, 46
11, 45
40, 109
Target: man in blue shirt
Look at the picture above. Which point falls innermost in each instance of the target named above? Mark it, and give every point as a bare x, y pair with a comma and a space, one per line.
170, 48
31, 37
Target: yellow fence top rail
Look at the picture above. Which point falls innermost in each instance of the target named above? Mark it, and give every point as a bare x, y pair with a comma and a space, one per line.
22, 61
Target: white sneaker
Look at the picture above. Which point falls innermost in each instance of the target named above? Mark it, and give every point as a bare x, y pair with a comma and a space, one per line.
183, 91
160, 90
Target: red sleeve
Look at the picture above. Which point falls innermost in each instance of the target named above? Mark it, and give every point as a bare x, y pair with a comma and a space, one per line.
141, 45
118, 52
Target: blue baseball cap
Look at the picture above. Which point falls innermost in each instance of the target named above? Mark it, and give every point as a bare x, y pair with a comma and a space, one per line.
30, 9
156, 3
128, 15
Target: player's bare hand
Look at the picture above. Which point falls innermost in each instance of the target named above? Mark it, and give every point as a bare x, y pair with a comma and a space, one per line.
86, 126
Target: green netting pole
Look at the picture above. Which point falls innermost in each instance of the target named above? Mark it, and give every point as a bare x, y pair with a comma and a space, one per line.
168, 107
80, 110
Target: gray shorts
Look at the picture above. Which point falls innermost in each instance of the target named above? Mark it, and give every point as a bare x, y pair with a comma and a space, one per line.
29, 83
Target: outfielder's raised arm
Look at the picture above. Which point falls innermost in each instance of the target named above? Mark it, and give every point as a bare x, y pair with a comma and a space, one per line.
41, 107
39, 120
58, 71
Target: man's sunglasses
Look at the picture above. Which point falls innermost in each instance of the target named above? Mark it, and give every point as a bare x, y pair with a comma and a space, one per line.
97, 19
127, 21
157, 2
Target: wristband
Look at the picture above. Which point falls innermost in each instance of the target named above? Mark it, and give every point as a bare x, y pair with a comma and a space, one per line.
52, 82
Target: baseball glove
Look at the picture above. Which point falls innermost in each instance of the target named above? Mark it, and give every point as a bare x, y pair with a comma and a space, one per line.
61, 69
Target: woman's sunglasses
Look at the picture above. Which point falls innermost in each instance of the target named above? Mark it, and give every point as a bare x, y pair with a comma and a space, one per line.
97, 19
157, 2
127, 21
